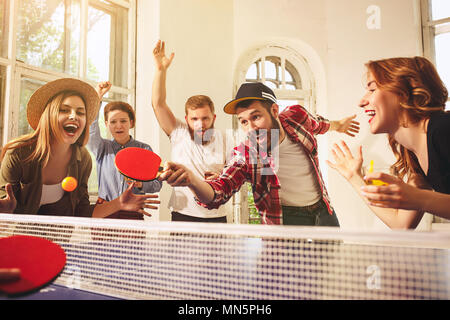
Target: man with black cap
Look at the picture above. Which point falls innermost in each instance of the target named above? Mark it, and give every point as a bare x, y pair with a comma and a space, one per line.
279, 158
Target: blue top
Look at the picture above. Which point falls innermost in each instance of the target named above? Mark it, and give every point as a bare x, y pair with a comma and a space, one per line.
111, 183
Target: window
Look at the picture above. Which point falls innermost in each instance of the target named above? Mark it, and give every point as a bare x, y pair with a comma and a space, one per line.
279, 73
436, 36
43, 40
436, 44
288, 74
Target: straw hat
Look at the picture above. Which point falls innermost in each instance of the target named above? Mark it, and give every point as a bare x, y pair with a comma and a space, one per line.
40, 98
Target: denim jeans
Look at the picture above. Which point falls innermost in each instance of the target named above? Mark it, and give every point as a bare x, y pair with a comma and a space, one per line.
314, 215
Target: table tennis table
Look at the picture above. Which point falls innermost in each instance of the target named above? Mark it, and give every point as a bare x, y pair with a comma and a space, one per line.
121, 259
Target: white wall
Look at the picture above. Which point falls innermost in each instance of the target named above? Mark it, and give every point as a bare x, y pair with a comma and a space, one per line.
210, 37
200, 34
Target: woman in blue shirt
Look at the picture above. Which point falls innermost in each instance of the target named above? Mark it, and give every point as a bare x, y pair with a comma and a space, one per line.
119, 119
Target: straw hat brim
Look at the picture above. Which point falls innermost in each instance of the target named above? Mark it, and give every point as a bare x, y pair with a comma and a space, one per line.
40, 98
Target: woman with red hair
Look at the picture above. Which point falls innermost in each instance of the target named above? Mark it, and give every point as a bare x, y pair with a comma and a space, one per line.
405, 99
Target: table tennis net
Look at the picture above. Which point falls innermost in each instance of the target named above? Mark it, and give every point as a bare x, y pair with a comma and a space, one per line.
167, 260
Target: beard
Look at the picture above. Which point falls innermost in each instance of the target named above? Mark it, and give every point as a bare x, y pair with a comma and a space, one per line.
262, 138
200, 136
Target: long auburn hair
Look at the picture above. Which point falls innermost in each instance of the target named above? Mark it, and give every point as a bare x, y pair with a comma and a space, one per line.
420, 91
48, 130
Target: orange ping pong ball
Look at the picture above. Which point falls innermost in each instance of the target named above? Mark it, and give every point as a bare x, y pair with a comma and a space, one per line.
69, 184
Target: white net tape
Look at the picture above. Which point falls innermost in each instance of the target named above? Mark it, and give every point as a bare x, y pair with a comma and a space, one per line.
166, 260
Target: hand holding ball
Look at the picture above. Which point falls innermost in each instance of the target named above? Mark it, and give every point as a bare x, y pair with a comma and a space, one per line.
69, 184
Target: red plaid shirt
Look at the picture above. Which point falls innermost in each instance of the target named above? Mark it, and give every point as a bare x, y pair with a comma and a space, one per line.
247, 166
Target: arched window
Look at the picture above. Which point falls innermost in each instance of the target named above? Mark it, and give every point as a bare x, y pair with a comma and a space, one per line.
284, 71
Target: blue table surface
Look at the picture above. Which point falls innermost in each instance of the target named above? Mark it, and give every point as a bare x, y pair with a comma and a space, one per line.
58, 292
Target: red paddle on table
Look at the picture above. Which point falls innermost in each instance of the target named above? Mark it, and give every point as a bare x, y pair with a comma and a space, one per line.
138, 164
38, 260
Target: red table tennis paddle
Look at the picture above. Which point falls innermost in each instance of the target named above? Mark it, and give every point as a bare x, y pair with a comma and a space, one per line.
138, 164
39, 261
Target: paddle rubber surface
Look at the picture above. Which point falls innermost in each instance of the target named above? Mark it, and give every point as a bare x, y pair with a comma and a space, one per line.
138, 164
39, 260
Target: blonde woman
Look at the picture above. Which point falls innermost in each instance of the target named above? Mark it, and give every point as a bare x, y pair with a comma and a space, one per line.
405, 99
34, 165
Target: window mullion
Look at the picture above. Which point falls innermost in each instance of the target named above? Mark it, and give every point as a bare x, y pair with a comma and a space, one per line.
131, 83
84, 11
11, 101
67, 34
427, 31
442, 28
263, 69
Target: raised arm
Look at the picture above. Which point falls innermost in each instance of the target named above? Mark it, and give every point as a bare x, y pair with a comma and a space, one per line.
163, 114
95, 139
316, 124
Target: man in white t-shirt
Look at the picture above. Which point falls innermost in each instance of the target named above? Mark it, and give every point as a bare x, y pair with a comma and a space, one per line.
279, 158
195, 143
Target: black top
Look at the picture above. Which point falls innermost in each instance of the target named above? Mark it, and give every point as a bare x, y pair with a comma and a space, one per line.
438, 140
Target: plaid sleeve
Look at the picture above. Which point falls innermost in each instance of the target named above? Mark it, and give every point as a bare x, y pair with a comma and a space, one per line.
233, 176
315, 124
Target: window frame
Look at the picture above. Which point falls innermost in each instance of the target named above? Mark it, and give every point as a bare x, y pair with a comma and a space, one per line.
17, 70
431, 28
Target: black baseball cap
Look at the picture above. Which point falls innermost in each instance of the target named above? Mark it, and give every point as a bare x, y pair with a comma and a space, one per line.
250, 91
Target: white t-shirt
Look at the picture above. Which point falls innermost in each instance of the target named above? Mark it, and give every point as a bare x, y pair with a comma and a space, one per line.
51, 193
198, 158
299, 185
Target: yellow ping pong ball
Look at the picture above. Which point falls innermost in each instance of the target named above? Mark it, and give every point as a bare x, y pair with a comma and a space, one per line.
69, 184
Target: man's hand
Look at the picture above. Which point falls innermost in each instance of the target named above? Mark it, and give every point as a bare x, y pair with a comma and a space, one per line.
176, 175
211, 175
159, 54
346, 125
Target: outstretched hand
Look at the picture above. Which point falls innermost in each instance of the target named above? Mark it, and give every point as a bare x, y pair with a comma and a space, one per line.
345, 163
137, 202
159, 54
346, 125
9, 203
